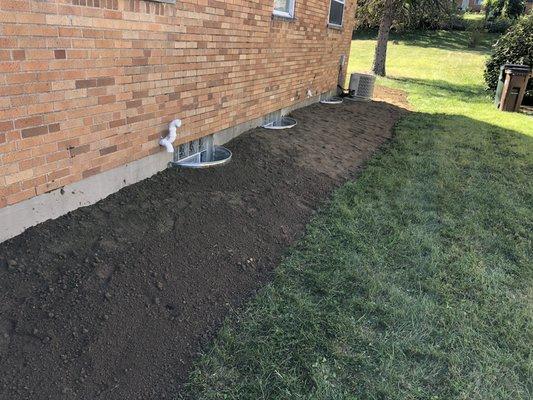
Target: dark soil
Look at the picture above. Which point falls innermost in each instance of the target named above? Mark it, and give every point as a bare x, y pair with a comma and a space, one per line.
113, 301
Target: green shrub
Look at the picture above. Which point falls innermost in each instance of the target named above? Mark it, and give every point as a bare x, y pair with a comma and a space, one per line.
504, 8
455, 23
514, 8
515, 47
499, 24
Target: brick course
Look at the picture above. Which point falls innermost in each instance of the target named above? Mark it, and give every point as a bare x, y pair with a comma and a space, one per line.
88, 85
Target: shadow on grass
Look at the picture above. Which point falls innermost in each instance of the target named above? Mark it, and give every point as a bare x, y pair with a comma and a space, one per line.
445, 40
418, 272
442, 85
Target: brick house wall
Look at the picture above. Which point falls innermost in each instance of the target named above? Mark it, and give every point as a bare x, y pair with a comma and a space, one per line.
90, 85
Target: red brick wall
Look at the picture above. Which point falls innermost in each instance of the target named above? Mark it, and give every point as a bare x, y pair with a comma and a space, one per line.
88, 85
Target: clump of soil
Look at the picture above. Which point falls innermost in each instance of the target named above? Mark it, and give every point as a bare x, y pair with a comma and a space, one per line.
113, 301
393, 96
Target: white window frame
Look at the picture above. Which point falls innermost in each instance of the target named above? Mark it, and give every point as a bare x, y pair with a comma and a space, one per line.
343, 2
284, 14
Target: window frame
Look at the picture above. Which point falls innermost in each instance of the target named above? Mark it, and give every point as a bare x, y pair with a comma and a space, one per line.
284, 14
332, 24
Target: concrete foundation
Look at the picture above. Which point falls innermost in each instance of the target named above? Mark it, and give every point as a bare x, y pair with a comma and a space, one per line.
16, 218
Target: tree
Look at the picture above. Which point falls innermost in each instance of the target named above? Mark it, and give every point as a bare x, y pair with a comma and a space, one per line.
380, 55
504, 8
514, 8
404, 13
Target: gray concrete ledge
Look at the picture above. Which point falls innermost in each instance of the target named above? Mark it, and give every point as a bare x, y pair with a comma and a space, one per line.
16, 218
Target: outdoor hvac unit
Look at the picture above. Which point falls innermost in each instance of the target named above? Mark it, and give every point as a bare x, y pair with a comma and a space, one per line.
361, 86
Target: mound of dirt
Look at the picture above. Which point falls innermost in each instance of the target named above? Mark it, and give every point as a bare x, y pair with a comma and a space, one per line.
113, 301
393, 96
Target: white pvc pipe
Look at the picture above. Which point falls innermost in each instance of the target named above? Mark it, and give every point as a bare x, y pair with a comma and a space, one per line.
167, 141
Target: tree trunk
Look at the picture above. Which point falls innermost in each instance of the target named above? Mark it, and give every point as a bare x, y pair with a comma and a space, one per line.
380, 56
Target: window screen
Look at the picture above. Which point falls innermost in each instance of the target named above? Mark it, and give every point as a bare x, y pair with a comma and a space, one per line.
336, 12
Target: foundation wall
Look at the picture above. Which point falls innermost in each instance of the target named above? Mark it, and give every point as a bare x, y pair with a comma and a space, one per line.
87, 86
18, 217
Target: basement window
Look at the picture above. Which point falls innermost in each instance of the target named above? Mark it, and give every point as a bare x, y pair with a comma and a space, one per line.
284, 8
336, 13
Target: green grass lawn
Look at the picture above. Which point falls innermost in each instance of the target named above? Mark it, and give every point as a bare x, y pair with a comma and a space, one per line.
474, 16
415, 282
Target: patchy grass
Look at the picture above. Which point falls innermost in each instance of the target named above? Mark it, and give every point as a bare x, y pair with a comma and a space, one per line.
416, 281
441, 76
474, 16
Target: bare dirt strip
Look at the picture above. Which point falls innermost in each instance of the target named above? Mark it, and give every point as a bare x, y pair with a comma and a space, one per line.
113, 301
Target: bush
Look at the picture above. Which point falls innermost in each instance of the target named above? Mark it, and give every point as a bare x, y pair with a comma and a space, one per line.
504, 8
514, 8
515, 47
499, 24
455, 23
493, 9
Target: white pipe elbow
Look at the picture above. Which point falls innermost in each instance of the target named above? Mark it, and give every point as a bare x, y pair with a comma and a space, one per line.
167, 145
167, 141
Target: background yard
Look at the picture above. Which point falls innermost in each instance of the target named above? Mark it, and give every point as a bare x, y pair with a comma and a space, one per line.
415, 281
